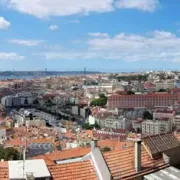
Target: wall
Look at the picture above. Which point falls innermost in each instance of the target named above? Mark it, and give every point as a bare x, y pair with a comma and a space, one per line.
174, 155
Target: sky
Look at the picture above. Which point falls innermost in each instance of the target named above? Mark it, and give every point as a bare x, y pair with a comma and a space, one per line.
101, 35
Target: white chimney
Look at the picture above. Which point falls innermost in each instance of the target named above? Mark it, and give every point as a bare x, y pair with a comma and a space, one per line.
137, 155
93, 145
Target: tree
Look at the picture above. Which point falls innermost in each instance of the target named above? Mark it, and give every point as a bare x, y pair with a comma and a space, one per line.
88, 126
35, 102
101, 101
147, 115
130, 92
9, 154
162, 90
106, 149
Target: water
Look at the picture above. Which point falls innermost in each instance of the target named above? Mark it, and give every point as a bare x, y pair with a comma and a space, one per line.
16, 77
27, 77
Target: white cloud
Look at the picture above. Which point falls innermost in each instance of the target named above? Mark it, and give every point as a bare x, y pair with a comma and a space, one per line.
143, 5
10, 56
158, 45
155, 46
26, 42
46, 8
4, 24
53, 27
98, 34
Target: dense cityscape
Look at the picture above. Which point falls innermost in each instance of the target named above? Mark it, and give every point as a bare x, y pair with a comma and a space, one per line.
120, 126
89, 90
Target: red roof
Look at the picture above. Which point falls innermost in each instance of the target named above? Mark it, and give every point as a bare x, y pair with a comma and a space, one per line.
121, 163
73, 171
62, 155
4, 170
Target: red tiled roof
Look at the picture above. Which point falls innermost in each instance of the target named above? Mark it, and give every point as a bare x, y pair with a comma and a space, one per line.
15, 143
113, 144
73, 171
66, 154
4, 170
121, 163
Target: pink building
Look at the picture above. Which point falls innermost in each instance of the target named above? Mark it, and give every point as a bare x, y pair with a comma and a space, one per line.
141, 100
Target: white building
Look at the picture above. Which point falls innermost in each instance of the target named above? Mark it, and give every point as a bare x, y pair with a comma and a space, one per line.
7, 101
176, 121
164, 85
136, 125
113, 122
20, 99
158, 114
150, 127
33, 169
91, 120
75, 110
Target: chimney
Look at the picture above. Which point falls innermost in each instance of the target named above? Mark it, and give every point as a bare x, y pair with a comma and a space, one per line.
93, 145
137, 155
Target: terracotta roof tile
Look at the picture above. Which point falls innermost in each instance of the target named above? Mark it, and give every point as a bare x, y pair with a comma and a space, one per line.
121, 162
4, 170
65, 154
114, 144
73, 171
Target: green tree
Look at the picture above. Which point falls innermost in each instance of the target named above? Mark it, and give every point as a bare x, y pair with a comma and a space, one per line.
162, 90
106, 149
87, 126
147, 115
9, 153
101, 101
130, 92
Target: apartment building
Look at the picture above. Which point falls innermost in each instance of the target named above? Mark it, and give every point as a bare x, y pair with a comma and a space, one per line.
20, 99
164, 85
153, 127
113, 122
176, 122
141, 100
158, 114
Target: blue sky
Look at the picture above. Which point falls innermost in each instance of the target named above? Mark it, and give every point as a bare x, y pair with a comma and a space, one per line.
101, 35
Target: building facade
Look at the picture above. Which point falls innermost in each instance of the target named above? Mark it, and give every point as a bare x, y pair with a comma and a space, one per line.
142, 100
113, 122
150, 127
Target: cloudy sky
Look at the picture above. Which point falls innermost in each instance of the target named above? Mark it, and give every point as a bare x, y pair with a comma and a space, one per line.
103, 35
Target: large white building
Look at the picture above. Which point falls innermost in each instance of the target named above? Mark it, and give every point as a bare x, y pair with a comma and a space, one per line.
20, 99
113, 122
153, 127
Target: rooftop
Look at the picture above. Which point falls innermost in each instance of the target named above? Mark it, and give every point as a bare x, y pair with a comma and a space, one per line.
65, 154
169, 173
37, 167
121, 163
160, 143
4, 170
73, 171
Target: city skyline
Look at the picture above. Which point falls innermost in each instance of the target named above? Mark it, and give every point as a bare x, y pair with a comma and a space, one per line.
101, 35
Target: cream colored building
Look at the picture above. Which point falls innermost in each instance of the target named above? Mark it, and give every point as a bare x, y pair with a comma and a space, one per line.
150, 127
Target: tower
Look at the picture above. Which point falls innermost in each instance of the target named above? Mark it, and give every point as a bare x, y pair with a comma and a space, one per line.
84, 70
